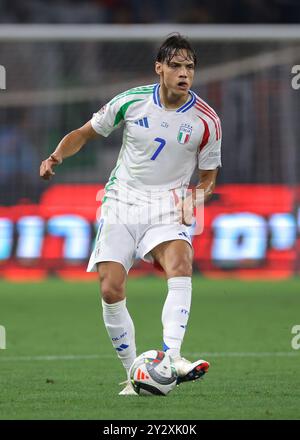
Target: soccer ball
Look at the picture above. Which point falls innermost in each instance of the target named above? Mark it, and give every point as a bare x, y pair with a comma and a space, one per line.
153, 373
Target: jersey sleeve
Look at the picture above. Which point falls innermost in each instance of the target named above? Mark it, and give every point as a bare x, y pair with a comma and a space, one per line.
108, 118
209, 156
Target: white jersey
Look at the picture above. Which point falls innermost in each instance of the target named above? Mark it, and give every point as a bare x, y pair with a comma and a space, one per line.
161, 147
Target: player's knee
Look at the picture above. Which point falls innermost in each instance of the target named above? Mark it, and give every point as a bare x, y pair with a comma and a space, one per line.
180, 268
111, 290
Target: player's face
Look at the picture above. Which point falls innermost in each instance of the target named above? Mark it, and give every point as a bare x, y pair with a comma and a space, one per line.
177, 75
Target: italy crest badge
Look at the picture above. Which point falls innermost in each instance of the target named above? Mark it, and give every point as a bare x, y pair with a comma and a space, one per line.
184, 134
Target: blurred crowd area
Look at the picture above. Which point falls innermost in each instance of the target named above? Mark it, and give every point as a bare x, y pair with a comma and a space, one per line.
55, 87
154, 11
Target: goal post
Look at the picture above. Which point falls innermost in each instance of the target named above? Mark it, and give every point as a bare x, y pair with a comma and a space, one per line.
148, 32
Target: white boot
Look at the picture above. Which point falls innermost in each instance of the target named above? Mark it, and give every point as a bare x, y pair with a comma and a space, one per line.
187, 370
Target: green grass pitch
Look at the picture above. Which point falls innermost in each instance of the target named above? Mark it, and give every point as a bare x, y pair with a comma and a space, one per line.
59, 364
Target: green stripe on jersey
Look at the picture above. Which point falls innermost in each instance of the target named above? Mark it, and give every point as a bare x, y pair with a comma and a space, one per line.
111, 181
136, 91
123, 109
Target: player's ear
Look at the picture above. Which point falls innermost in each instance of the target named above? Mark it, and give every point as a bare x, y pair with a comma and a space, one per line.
158, 68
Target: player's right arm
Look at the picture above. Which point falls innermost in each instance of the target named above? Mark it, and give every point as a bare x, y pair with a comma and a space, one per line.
107, 119
67, 147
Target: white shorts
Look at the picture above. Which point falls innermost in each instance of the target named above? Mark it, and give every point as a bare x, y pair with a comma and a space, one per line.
130, 229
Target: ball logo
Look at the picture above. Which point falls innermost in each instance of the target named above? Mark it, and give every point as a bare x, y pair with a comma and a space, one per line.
142, 375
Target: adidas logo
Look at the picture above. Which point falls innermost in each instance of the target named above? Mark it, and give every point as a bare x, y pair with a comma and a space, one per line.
122, 347
141, 375
142, 122
184, 234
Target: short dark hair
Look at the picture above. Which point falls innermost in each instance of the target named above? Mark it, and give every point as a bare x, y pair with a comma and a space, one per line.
172, 46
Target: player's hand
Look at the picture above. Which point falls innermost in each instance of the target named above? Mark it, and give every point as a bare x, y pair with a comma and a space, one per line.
46, 168
186, 211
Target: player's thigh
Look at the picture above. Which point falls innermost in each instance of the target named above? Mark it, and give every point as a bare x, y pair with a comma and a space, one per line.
175, 257
112, 277
114, 243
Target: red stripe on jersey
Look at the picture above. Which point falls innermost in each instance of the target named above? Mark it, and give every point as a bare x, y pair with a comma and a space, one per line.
214, 119
213, 113
203, 104
200, 105
206, 134
206, 106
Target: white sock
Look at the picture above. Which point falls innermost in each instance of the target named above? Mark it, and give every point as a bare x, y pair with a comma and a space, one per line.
120, 329
175, 313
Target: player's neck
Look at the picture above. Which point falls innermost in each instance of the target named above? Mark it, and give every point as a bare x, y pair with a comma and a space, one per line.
171, 100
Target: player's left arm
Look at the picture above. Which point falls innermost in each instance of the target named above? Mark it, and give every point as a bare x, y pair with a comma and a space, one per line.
200, 194
209, 161
205, 188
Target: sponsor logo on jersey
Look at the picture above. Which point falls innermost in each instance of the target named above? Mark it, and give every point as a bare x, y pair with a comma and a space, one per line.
184, 133
142, 122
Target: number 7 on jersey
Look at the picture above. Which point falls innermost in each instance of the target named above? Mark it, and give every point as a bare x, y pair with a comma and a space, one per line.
162, 143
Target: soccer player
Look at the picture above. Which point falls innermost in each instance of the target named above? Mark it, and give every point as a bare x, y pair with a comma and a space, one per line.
168, 130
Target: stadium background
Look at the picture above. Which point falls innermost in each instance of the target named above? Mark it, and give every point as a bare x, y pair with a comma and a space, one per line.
63, 61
